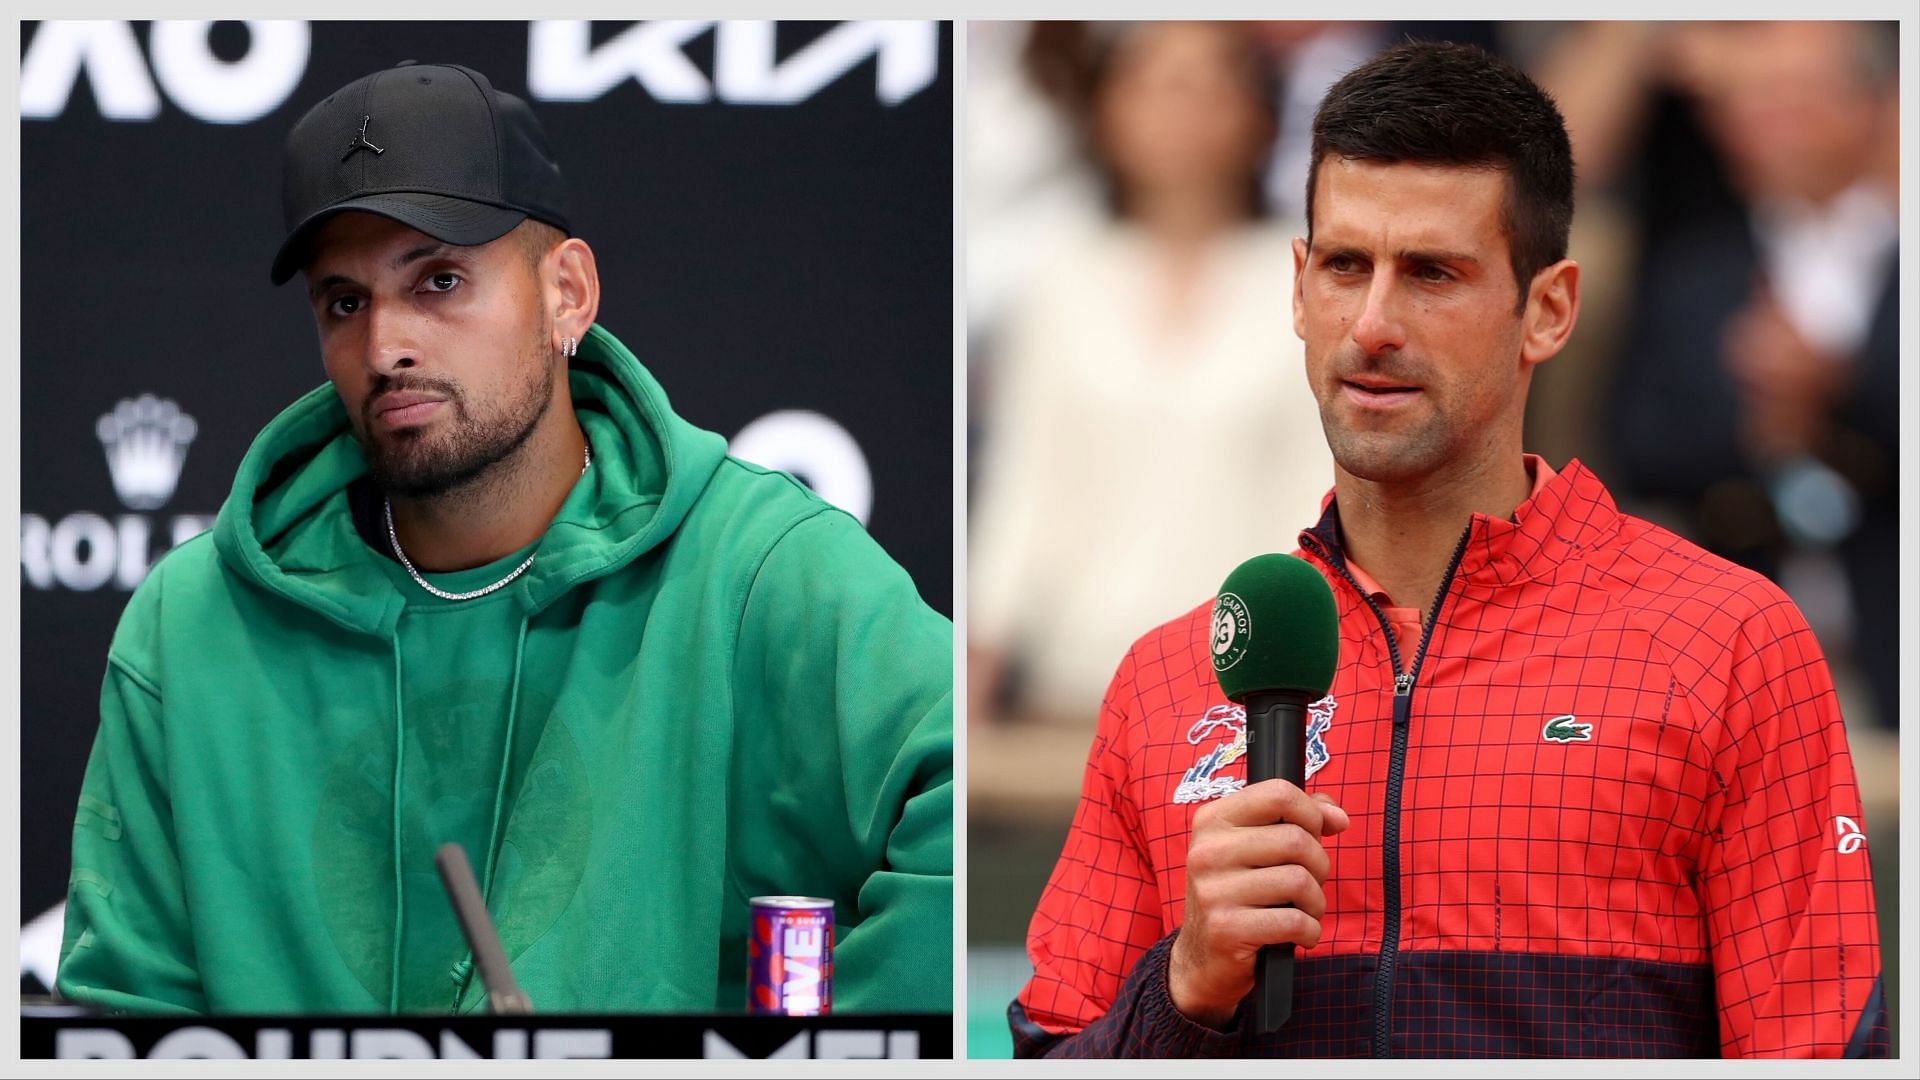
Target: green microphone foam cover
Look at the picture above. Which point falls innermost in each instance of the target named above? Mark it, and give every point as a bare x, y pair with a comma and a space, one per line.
1274, 628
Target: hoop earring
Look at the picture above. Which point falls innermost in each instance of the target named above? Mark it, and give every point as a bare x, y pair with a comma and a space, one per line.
569, 347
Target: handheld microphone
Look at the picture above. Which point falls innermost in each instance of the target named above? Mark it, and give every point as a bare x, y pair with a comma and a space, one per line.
1275, 644
489, 959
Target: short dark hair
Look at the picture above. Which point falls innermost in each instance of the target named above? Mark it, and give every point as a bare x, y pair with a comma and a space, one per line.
1437, 103
535, 238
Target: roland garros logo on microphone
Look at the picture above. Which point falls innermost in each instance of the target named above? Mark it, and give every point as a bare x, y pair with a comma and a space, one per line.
1231, 630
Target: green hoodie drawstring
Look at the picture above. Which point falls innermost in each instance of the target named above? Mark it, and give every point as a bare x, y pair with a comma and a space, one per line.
399, 882
463, 971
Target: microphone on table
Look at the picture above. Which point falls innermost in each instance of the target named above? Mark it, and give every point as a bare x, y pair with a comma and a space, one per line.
504, 995
1275, 643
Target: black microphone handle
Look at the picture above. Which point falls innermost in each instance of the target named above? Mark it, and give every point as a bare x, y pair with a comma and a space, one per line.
1276, 747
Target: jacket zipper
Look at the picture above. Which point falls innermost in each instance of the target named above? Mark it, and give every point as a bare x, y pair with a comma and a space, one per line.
1403, 683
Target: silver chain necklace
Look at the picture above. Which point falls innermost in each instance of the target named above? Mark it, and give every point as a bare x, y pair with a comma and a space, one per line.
394, 539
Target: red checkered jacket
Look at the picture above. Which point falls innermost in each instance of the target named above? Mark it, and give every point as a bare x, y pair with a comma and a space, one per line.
1605, 809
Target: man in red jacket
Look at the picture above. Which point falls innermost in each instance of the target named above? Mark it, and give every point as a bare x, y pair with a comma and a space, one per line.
1579, 788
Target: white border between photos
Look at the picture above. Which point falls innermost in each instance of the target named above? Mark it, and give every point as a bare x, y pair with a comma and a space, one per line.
10, 500
960, 413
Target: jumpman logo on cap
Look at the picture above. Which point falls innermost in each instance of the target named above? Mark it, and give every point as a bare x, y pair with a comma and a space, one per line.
360, 141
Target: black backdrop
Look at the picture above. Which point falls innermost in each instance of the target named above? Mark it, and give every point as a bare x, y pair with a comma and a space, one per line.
775, 236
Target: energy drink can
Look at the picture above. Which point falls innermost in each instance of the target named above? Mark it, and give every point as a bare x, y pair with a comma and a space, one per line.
790, 956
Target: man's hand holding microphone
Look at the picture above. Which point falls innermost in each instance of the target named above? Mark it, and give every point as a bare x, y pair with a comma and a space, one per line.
1255, 861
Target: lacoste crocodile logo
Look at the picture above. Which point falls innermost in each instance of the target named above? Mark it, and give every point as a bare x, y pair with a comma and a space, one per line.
1565, 729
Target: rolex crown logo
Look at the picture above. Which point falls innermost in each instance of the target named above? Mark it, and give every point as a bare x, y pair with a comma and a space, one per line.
146, 440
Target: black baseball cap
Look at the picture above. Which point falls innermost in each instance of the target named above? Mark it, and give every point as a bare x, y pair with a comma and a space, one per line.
432, 146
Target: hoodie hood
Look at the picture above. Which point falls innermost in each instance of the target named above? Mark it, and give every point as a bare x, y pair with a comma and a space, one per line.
285, 526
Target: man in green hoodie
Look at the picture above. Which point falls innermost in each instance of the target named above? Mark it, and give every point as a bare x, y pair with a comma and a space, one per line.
487, 588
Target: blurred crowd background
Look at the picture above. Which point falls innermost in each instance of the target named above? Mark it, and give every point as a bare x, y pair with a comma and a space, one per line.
1140, 421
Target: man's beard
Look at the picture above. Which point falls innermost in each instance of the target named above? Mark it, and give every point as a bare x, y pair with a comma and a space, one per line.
1416, 449
1390, 456
417, 464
